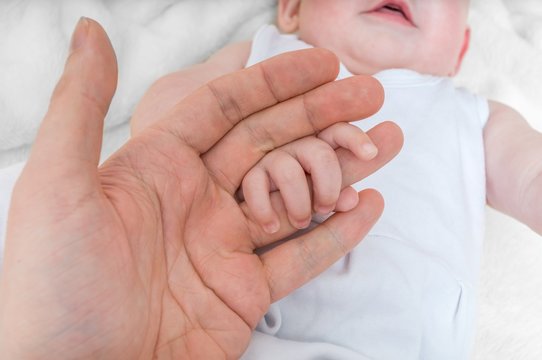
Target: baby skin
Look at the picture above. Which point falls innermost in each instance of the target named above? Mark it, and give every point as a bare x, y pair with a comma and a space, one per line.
430, 37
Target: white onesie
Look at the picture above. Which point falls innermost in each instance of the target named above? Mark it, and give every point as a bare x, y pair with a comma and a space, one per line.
408, 291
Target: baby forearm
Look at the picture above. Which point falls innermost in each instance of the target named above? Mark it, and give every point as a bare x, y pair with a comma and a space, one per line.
532, 204
513, 166
172, 88
168, 91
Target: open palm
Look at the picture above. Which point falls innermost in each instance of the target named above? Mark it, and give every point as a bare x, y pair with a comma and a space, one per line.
151, 254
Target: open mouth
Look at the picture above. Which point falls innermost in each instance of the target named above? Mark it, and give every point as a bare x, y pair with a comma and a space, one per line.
395, 10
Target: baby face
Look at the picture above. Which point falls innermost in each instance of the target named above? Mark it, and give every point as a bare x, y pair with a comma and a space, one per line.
428, 36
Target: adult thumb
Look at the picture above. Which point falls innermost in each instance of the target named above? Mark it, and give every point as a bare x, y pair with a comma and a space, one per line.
70, 137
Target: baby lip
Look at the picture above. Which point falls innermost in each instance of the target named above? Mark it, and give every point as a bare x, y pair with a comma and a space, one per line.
395, 7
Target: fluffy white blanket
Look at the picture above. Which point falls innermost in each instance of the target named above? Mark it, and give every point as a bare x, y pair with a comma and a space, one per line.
153, 38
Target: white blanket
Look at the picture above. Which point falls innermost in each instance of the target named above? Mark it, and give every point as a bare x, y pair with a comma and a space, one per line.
153, 38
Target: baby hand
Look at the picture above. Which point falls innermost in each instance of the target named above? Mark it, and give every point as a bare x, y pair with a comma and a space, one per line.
302, 168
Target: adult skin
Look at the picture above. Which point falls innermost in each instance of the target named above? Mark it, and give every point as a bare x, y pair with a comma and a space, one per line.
150, 254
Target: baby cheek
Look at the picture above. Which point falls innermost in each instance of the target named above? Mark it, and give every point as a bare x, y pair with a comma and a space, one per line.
321, 21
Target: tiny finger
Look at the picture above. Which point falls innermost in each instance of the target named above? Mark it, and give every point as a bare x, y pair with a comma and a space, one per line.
348, 199
290, 179
256, 191
350, 137
320, 161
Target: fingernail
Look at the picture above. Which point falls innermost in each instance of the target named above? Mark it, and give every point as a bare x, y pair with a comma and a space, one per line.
303, 224
324, 210
271, 228
369, 150
79, 35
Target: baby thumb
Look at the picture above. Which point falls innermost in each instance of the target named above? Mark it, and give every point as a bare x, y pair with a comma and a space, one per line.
70, 137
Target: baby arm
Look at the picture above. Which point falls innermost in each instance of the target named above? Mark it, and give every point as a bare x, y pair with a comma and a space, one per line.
172, 88
304, 169
514, 166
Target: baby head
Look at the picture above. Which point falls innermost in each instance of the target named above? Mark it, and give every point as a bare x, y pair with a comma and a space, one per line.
428, 36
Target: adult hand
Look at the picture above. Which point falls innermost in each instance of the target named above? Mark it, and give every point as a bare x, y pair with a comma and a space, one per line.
150, 254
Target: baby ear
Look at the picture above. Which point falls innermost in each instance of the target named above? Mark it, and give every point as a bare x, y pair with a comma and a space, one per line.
288, 15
